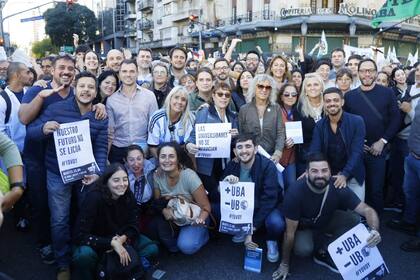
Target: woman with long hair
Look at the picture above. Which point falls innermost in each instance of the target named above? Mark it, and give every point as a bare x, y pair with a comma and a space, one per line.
278, 69
287, 99
309, 112
108, 221
91, 63
107, 84
240, 95
297, 78
174, 122
173, 178
400, 81
344, 80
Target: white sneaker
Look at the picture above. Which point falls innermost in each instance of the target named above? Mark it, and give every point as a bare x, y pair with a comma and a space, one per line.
272, 251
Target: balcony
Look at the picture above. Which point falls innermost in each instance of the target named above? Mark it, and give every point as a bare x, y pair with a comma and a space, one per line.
183, 14
151, 44
145, 25
130, 16
145, 5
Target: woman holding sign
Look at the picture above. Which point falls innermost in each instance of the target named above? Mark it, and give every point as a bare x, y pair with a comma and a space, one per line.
174, 122
211, 169
171, 179
287, 99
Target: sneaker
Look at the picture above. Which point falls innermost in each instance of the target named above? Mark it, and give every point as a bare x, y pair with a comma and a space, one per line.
324, 259
47, 254
402, 226
22, 225
239, 238
272, 251
63, 273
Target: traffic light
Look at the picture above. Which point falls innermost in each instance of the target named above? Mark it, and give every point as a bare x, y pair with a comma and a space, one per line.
192, 19
1, 42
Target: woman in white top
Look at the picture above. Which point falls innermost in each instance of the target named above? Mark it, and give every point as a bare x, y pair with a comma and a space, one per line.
174, 122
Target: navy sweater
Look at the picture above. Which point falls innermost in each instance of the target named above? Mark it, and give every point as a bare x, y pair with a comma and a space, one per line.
65, 112
386, 104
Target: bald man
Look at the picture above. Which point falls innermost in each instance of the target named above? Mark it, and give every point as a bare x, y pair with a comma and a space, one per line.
114, 59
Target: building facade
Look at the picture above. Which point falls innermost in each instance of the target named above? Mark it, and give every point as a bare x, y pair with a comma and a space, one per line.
275, 25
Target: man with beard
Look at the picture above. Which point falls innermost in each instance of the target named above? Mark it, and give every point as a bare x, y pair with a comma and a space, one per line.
77, 107
114, 59
144, 64
221, 72
378, 107
316, 214
340, 136
252, 60
4, 64
178, 58
252, 167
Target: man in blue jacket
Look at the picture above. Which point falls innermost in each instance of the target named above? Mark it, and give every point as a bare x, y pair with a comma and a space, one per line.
340, 136
73, 109
252, 167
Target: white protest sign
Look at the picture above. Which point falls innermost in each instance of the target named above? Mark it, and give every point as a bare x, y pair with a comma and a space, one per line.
236, 207
74, 151
294, 131
213, 140
264, 153
354, 259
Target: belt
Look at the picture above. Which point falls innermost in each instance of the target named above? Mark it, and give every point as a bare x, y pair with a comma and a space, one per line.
416, 156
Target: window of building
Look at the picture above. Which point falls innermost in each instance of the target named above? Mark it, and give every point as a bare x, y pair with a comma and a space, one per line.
167, 9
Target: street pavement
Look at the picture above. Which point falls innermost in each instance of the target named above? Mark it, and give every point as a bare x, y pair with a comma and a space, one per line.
219, 259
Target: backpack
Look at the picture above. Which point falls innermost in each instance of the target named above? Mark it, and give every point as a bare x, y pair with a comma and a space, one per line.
8, 105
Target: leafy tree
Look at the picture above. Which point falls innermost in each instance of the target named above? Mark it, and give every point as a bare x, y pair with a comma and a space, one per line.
43, 48
61, 23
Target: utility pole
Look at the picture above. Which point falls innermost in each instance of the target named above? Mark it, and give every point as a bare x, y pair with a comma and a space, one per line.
2, 4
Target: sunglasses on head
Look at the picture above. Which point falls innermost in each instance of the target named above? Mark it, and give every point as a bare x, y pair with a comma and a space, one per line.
261, 87
221, 94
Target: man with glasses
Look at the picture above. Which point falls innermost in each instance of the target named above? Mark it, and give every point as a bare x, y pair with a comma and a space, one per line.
340, 136
252, 60
221, 72
378, 107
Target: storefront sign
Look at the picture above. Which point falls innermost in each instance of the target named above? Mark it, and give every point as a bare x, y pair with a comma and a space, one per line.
344, 9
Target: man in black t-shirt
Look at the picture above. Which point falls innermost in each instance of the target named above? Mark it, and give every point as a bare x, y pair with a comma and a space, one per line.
316, 215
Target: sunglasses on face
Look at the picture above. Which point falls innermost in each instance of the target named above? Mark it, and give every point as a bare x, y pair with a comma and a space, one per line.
293, 94
262, 87
221, 94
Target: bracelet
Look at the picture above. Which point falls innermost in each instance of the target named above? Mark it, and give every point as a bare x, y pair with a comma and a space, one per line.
17, 184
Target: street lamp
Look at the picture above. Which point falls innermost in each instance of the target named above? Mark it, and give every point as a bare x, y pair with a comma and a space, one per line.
303, 31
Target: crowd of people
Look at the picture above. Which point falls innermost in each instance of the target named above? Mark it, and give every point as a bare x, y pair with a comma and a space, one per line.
360, 152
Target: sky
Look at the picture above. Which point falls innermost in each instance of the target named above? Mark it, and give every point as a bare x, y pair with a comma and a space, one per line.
23, 34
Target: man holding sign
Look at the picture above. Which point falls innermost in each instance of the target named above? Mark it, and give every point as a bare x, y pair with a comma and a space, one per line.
316, 214
73, 109
252, 167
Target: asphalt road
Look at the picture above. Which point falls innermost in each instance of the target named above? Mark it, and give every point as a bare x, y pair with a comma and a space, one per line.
220, 259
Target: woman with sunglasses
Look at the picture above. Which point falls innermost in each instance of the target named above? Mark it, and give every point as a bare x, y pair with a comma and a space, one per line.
240, 95
309, 112
287, 99
262, 116
174, 122
210, 170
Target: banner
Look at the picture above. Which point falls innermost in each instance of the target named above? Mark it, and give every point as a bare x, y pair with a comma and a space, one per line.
354, 259
236, 207
74, 151
396, 11
213, 140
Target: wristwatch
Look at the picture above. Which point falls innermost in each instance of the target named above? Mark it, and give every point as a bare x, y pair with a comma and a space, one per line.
384, 141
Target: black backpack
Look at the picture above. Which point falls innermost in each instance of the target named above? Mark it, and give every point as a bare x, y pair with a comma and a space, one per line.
8, 105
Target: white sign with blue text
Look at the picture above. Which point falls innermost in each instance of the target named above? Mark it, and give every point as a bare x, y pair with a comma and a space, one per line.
236, 207
354, 259
213, 140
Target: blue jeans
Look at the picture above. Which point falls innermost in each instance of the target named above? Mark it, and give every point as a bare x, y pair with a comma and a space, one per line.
85, 259
289, 175
411, 188
375, 180
399, 150
38, 197
59, 200
187, 239
275, 225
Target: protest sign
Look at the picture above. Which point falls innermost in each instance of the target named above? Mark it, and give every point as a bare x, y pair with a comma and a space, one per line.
74, 151
236, 207
294, 131
253, 259
264, 153
354, 259
213, 140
